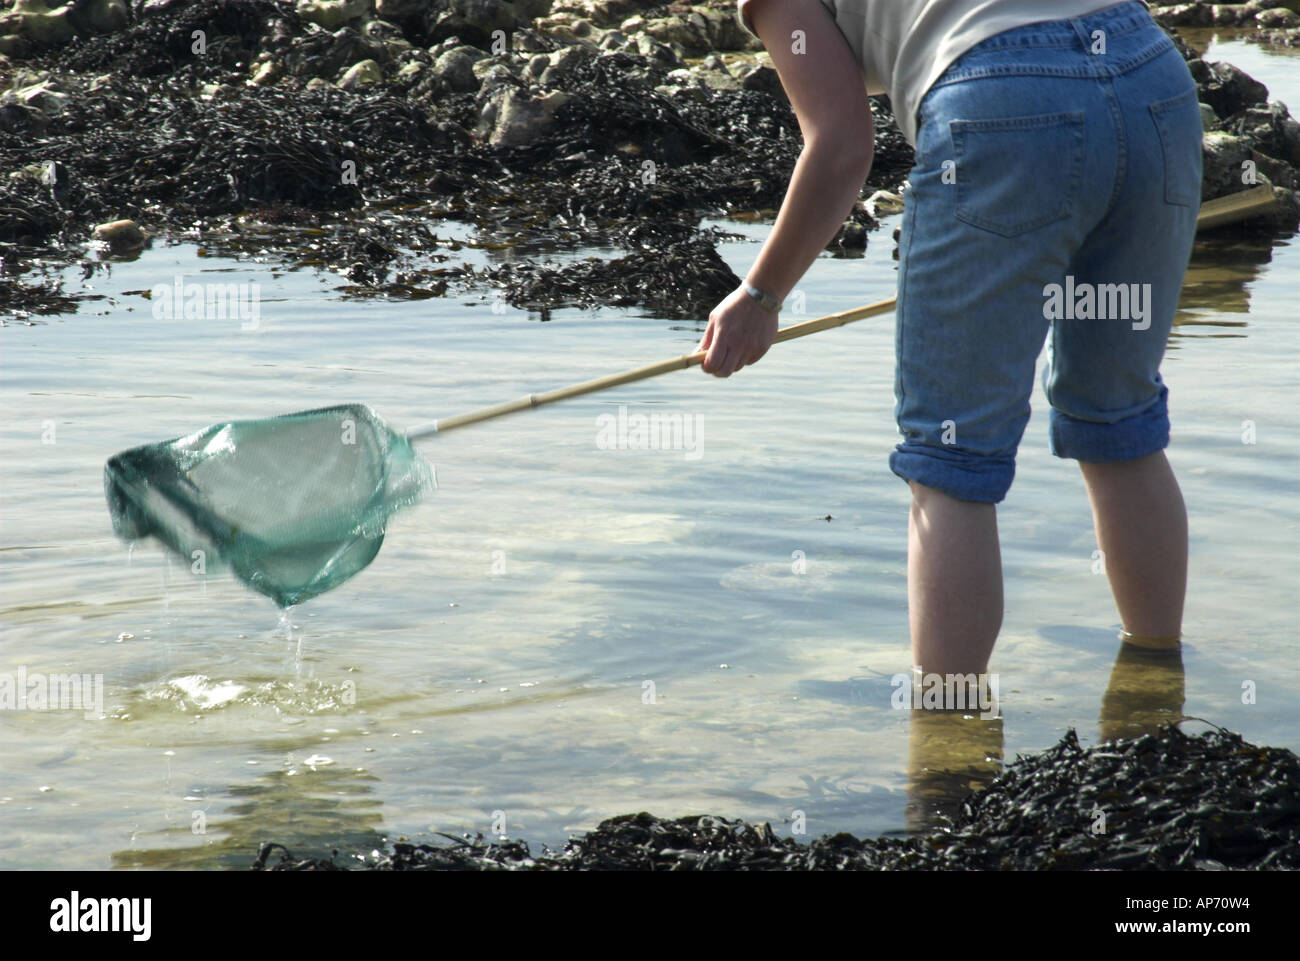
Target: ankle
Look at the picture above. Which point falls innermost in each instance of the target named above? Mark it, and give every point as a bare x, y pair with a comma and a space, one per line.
1150, 642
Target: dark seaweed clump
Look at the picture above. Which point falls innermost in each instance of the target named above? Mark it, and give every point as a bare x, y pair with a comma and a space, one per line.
1170, 802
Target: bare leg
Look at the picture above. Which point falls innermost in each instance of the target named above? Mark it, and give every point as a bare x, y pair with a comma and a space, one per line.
954, 582
1141, 525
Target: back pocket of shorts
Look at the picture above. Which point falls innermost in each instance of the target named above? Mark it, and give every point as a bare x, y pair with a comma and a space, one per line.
1178, 121
1019, 173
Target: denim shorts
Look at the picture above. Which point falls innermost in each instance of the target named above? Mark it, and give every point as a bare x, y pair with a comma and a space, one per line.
1056, 188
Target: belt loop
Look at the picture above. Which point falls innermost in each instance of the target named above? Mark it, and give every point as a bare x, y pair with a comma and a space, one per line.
1085, 38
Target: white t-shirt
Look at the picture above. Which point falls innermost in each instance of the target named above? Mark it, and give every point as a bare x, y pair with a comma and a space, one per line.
904, 46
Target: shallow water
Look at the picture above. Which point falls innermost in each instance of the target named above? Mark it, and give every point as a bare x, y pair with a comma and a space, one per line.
488, 672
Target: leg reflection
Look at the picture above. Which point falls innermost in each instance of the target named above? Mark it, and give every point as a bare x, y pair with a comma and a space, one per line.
950, 754
1146, 690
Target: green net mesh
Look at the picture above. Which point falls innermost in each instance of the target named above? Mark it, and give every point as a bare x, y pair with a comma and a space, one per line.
293, 505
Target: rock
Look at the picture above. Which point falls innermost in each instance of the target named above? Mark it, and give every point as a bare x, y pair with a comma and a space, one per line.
107, 15
492, 73
674, 91
361, 74
564, 60
1223, 156
387, 35
332, 14
1270, 129
1278, 18
473, 21
1185, 15
517, 118
662, 54
1232, 89
13, 46
455, 68
38, 21
324, 54
690, 33
19, 119
536, 66
882, 203
267, 72
714, 62
1209, 120
1200, 70
45, 96
1290, 134
566, 28
601, 13
398, 10
852, 236
716, 80
1275, 171
1231, 14
724, 32
410, 71
763, 78
120, 235
1287, 211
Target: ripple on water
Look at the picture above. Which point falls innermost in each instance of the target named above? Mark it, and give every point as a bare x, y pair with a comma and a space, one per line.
797, 576
198, 692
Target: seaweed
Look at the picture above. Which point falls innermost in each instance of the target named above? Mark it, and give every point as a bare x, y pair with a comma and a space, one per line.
1166, 802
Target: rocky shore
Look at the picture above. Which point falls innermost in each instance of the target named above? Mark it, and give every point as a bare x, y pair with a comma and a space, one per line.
1159, 802
1271, 22
343, 134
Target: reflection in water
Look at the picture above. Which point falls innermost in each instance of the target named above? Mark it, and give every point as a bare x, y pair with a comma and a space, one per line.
1145, 691
950, 754
1220, 276
311, 812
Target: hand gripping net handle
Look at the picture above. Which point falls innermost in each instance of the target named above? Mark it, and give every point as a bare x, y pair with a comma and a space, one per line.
530, 401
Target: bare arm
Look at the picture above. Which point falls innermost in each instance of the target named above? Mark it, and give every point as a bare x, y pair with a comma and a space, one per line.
825, 87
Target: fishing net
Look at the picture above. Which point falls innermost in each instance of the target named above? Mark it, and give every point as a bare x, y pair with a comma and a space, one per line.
293, 505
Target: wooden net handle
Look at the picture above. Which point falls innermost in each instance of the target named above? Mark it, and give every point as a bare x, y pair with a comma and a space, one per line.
637, 373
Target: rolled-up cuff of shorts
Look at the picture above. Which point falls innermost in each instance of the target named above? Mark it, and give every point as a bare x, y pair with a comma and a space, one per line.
966, 477
1135, 436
